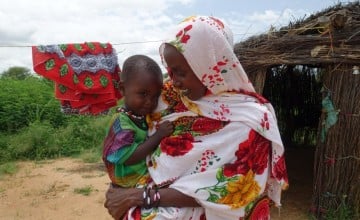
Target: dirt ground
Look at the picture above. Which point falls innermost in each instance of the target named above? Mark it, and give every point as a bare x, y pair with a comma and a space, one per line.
47, 190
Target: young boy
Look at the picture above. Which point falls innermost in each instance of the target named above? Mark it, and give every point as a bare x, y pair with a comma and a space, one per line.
127, 144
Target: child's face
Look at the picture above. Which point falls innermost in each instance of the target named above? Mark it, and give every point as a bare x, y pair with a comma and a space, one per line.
141, 93
182, 75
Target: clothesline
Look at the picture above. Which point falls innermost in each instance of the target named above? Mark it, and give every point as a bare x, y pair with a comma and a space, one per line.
114, 44
135, 42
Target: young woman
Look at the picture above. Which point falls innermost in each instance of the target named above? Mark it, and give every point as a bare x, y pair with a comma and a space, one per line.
225, 158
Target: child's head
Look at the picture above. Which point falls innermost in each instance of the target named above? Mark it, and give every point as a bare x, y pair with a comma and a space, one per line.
140, 84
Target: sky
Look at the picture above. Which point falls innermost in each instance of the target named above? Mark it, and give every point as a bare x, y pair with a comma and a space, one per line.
132, 26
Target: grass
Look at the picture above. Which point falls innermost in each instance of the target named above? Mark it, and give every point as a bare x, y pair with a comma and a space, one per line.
8, 168
86, 190
91, 156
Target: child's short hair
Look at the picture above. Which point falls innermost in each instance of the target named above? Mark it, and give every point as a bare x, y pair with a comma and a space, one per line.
137, 63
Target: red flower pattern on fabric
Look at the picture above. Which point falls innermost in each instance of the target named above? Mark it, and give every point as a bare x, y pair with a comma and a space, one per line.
206, 125
280, 169
252, 154
184, 39
172, 98
179, 33
177, 145
265, 122
261, 210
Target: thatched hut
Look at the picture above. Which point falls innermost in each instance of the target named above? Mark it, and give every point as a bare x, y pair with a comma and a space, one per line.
319, 58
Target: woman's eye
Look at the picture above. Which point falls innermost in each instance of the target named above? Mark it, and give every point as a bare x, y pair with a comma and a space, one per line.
180, 74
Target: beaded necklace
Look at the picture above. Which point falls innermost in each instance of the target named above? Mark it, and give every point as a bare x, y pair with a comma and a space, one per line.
130, 114
139, 120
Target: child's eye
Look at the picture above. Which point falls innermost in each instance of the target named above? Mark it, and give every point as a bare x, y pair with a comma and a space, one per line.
143, 94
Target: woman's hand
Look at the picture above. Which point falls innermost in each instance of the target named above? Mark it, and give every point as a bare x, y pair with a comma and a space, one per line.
119, 200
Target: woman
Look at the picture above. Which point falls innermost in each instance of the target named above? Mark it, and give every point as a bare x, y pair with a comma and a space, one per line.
225, 158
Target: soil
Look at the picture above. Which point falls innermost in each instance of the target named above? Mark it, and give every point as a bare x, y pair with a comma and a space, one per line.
48, 190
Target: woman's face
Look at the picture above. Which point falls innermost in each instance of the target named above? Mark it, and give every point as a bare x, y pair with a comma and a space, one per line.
182, 75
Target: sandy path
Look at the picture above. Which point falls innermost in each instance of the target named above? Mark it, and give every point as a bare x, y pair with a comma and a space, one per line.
45, 190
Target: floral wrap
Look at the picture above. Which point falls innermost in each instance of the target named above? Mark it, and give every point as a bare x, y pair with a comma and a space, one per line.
226, 151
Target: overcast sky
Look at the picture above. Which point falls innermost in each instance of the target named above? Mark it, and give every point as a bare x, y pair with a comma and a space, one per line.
132, 26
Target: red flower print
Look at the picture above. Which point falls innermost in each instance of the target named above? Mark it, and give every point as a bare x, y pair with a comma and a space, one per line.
265, 116
264, 122
206, 125
185, 38
187, 28
252, 154
177, 145
261, 210
218, 22
280, 169
179, 33
180, 107
220, 63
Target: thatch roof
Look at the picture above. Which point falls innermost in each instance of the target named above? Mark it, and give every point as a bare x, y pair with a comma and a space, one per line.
328, 37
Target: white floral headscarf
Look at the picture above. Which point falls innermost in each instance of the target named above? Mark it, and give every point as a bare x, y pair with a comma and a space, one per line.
207, 45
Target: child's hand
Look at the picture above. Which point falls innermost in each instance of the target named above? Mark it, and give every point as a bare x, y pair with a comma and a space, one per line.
165, 129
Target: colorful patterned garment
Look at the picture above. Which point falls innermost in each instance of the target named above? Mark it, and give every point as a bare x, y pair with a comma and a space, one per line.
85, 75
122, 139
231, 158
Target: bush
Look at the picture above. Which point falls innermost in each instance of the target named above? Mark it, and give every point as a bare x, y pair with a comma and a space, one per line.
35, 142
40, 140
83, 133
26, 101
33, 127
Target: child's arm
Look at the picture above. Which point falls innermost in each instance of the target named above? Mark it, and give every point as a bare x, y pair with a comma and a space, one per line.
164, 130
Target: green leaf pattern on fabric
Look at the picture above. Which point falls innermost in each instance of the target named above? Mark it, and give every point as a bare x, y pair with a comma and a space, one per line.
62, 88
75, 79
63, 47
88, 82
219, 189
49, 64
90, 45
78, 47
64, 69
104, 81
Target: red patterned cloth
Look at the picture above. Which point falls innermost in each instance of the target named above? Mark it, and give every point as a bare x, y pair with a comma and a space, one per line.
86, 75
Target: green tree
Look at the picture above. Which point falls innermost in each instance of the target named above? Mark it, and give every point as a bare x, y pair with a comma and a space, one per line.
26, 101
16, 72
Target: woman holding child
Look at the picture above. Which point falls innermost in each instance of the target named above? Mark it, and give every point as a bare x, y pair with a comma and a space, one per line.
225, 158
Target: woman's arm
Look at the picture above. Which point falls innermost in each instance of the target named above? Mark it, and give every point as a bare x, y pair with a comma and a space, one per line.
173, 198
119, 200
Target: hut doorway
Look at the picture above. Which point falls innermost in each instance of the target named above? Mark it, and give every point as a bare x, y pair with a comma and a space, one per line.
295, 92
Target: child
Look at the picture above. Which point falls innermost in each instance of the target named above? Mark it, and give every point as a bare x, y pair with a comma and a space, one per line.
127, 143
